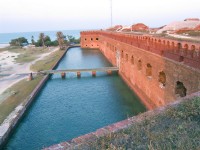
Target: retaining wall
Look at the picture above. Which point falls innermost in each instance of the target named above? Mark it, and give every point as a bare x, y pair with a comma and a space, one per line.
7, 127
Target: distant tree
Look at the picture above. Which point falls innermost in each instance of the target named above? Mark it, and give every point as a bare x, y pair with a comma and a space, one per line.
73, 40
21, 41
42, 37
61, 40
32, 40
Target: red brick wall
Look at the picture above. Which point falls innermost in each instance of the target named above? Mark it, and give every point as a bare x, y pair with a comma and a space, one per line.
161, 54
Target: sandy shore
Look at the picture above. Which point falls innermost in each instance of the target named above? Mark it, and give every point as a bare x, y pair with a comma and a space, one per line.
8, 66
4, 45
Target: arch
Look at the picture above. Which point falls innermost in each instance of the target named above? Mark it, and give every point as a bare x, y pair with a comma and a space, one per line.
193, 47
164, 42
132, 60
85, 39
149, 70
139, 64
173, 45
185, 49
91, 39
162, 78
168, 43
122, 54
97, 39
180, 89
181, 59
186, 46
126, 57
179, 46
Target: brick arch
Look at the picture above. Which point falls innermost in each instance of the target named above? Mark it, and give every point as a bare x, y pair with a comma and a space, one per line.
186, 46
193, 47
162, 79
180, 89
164, 42
139, 64
179, 46
122, 54
126, 57
132, 60
149, 70
168, 44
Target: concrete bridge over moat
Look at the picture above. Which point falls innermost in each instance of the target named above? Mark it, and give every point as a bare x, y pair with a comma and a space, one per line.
63, 72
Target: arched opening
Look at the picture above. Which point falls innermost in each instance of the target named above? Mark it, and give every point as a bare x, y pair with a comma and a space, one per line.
91, 39
132, 60
149, 70
122, 54
162, 78
172, 44
179, 46
186, 46
139, 65
180, 89
193, 47
126, 57
181, 59
168, 44
85, 39
97, 39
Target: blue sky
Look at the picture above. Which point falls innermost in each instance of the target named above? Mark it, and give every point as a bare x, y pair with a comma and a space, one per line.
47, 15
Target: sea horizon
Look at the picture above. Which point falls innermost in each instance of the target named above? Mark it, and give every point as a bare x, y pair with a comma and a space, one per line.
5, 38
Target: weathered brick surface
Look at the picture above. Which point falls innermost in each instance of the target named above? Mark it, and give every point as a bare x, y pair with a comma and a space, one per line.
162, 55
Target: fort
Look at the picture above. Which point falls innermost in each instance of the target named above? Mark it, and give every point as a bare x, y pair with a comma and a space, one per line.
158, 69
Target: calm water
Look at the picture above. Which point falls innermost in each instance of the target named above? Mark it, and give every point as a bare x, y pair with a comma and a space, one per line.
7, 37
71, 107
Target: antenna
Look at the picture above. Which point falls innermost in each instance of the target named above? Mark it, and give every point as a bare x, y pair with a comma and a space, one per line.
111, 13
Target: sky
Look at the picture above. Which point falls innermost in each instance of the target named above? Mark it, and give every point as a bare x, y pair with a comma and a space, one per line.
52, 15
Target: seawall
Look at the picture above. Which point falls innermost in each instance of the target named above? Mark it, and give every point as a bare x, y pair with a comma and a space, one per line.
7, 127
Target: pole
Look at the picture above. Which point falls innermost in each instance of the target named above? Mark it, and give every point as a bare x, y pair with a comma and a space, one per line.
111, 13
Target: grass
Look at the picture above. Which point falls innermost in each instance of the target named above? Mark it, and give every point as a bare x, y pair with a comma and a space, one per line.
176, 128
18, 94
26, 55
48, 62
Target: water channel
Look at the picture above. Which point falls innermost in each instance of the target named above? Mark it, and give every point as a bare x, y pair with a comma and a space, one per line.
67, 108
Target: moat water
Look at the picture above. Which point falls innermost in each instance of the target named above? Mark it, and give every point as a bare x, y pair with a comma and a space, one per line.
67, 108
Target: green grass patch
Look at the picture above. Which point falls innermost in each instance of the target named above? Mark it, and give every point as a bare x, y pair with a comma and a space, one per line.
18, 94
176, 128
48, 62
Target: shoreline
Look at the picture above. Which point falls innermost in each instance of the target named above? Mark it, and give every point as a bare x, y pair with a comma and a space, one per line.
11, 122
14, 68
3, 45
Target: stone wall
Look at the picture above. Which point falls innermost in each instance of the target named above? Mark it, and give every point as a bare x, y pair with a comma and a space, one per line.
158, 70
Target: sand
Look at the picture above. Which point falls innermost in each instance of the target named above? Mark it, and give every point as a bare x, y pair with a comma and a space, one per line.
9, 66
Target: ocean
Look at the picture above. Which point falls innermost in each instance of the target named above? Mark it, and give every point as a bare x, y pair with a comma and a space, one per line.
5, 38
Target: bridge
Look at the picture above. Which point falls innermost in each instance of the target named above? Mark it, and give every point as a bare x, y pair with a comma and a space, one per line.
93, 71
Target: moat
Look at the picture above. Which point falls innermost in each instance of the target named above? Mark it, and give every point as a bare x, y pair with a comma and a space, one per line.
67, 108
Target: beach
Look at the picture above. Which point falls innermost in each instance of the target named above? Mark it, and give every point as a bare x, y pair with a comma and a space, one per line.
9, 66
4, 45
